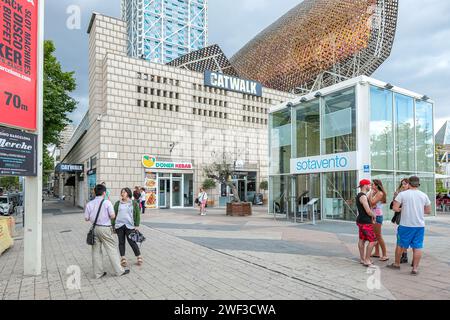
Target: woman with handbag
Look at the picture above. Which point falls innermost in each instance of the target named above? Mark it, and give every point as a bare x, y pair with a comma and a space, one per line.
202, 199
128, 217
404, 185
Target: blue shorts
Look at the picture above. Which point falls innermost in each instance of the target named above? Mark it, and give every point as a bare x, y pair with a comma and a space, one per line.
380, 219
410, 237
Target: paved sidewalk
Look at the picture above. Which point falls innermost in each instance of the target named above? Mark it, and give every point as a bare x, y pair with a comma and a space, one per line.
217, 257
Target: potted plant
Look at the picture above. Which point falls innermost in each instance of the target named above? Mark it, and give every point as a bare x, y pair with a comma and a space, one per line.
208, 185
264, 185
221, 172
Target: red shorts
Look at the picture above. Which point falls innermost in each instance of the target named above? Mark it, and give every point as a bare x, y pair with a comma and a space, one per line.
366, 232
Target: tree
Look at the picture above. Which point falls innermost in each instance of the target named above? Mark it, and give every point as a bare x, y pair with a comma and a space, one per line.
57, 102
209, 184
9, 183
48, 165
221, 171
264, 185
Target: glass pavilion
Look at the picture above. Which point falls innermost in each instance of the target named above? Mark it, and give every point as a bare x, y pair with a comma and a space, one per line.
323, 143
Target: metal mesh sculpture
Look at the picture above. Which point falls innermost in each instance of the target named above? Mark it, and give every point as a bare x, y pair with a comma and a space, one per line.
210, 58
319, 43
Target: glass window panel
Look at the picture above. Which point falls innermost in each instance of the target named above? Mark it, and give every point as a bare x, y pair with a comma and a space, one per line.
339, 137
390, 186
381, 129
404, 107
427, 185
188, 190
280, 142
339, 195
339, 123
424, 136
308, 129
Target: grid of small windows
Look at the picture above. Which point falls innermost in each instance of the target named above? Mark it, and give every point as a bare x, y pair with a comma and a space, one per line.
257, 99
158, 92
204, 88
158, 105
210, 101
254, 120
210, 113
255, 109
158, 79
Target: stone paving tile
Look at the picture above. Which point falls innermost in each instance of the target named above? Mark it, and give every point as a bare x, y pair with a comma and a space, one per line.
176, 268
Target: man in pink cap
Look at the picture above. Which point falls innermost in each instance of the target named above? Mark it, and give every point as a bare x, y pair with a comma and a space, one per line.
365, 222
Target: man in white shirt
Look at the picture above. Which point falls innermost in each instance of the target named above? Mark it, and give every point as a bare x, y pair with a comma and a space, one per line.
413, 205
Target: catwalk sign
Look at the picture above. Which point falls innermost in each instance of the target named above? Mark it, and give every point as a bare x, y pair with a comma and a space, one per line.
18, 63
222, 81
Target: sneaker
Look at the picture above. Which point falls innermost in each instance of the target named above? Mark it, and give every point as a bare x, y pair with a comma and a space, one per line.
127, 271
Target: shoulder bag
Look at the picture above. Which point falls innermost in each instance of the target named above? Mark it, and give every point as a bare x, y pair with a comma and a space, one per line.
90, 239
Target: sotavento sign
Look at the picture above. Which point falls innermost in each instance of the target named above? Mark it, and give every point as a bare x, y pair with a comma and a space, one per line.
327, 163
18, 63
222, 81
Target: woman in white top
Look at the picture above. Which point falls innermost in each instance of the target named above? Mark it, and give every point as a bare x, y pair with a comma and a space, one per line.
142, 200
202, 199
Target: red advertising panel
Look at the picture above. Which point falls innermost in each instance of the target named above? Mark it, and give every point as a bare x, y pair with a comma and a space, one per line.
18, 63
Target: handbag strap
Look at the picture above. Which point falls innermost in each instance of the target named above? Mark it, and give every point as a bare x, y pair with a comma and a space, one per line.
98, 212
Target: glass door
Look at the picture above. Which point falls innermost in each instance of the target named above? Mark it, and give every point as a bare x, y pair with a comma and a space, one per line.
177, 193
164, 193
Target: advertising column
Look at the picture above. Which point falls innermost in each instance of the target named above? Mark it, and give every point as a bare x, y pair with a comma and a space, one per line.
21, 101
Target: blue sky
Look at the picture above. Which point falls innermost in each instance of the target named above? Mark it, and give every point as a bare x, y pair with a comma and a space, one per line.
420, 60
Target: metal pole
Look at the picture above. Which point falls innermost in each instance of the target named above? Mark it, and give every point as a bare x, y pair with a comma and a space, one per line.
313, 214
33, 185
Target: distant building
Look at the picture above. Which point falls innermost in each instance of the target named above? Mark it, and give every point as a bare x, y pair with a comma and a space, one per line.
443, 153
155, 125
163, 30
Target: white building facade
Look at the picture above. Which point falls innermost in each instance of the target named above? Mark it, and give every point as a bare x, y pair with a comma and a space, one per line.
158, 126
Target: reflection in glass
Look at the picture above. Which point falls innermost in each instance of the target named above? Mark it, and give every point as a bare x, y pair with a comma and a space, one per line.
280, 142
424, 136
188, 190
404, 108
308, 129
176, 193
339, 122
390, 186
339, 195
381, 133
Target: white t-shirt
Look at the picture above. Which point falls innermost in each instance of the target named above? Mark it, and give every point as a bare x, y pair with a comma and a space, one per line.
413, 208
202, 196
142, 197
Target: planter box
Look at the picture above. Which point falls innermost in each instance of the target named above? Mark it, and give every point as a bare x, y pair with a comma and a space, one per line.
239, 209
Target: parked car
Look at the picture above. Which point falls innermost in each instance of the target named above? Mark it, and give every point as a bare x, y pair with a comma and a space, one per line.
7, 205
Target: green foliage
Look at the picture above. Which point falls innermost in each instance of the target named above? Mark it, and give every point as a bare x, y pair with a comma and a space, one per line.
209, 184
264, 185
440, 187
49, 162
9, 183
221, 171
57, 102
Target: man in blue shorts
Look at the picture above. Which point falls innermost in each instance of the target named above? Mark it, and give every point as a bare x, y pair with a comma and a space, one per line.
413, 205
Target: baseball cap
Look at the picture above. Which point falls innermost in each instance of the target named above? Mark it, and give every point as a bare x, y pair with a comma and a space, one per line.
364, 182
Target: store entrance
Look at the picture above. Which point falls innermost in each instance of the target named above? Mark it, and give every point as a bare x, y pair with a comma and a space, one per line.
308, 196
164, 193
